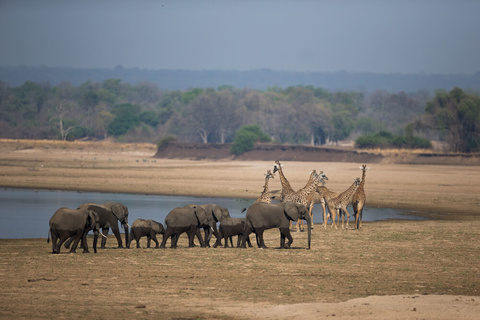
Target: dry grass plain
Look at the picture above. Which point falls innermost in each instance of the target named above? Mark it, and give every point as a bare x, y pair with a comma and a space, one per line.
387, 270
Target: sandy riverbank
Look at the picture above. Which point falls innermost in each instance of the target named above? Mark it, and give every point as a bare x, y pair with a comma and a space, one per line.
387, 270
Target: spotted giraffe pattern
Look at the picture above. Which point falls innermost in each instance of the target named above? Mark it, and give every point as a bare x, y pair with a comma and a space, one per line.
342, 201
286, 187
305, 195
265, 196
325, 196
359, 199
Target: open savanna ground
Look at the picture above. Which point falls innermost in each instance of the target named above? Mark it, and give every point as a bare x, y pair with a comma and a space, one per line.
387, 270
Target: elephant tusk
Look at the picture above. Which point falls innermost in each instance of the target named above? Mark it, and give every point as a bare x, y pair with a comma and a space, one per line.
103, 235
128, 226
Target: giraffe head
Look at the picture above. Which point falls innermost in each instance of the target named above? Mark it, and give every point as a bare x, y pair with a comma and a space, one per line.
322, 177
277, 166
357, 181
270, 175
364, 167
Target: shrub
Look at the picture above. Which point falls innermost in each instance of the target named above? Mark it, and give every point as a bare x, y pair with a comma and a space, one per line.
384, 139
246, 137
162, 144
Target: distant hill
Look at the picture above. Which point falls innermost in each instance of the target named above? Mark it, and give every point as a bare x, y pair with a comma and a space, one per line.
255, 79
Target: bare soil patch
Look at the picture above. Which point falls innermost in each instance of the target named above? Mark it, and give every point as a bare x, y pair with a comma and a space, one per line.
387, 270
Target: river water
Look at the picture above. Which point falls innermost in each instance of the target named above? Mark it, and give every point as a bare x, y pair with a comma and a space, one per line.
25, 213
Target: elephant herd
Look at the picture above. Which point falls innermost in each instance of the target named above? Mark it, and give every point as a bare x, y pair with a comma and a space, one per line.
72, 225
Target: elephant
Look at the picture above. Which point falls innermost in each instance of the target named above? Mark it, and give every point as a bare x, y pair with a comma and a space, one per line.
185, 219
145, 228
230, 227
75, 224
263, 216
110, 213
215, 214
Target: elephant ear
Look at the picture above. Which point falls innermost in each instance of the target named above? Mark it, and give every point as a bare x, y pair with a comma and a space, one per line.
201, 215
291, 210
92, 219
157, 227
220, 213
120, 212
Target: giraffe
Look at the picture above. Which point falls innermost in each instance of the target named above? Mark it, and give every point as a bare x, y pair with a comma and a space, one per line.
325, 196
265, 196
305, 195
359, 199
286, 187
342, 201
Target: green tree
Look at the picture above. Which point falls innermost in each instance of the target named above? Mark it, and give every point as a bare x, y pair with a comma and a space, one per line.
126, 118
246, 137
455, 115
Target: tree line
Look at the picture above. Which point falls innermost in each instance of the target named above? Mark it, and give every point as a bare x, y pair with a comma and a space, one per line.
295, 115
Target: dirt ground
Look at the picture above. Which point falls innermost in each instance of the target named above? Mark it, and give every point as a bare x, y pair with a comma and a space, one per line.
387, 270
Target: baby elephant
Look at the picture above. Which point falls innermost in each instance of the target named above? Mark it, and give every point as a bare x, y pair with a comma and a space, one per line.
230, 227
145, 228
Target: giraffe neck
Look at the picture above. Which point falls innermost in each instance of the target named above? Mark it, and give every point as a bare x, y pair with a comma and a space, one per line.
362, 183
311, 185
347, 194
265, 187
285, 184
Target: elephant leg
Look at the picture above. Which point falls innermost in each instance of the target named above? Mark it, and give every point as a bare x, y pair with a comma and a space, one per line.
54, 237
166, 235
174, 239
149, 238
116, 232
260, 242
154, 238
196, 232
285, 233
248, 241
104, 240
84, 243
219, 239
282, 240
75, 243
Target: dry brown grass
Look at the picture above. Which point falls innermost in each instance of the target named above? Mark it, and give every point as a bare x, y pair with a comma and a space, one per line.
384, 258
383, 261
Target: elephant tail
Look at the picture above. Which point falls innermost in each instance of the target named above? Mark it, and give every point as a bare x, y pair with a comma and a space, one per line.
243, 210
48, 237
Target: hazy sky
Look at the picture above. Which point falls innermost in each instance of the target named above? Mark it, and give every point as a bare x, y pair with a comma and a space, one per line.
434, 36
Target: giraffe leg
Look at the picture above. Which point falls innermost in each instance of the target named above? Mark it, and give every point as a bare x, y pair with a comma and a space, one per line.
347, 217
324, 215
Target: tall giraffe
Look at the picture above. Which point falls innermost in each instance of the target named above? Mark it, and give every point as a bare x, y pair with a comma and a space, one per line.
305, 195
265, 196
342, 201
286, 187
359, 199
325, 196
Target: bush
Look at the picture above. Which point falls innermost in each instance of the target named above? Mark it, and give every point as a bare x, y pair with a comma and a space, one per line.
162, 144
384, 140
246, 137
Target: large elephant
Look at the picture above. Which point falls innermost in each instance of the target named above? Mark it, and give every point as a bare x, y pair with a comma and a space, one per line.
75, 224
110, 214
185, 219
263, 216
145, 228
215, 213
230, 227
